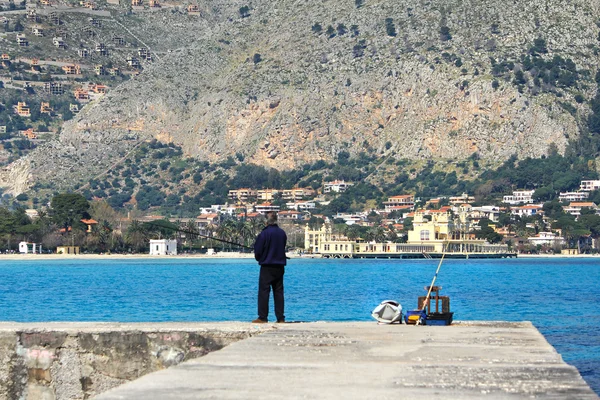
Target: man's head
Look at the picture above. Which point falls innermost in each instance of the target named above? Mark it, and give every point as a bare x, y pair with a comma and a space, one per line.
271, 218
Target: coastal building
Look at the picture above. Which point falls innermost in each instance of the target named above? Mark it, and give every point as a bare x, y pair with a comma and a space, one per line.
29, 133
433, 203
336, 186
463, 198
266, 207
163, 247
290, 216
23, 109
573, 196
22, 40
297, 194
72, 250
546, 238
54, 88
314, 238
266, 194
435, 232
81, 94
527, 211
30, 248
301, 205
490, 212
35, 65
589, 186
101, 49
72, 69
394, 203
243, 194
351, 219
519, 197
58, 42
45, 108
37, 31
574, 208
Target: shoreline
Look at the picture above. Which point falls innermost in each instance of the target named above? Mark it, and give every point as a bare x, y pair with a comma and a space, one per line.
222, 255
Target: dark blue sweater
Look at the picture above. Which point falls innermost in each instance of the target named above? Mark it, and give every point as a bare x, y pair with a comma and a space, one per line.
269, 247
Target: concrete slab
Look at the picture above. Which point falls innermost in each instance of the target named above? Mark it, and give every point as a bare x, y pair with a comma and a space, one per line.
364, 360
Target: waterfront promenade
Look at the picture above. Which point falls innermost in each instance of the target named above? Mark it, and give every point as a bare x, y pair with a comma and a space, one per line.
363, 360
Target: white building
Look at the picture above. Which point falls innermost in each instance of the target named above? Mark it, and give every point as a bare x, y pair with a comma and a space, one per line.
546, 238
218, 209
490, 212
527, 211
32, 214
336, 186
30, 248
589, 186
351, 219
163, 247
266, 207
290, 216
463, 198
573, 196
519, 196
301, 205
574, 208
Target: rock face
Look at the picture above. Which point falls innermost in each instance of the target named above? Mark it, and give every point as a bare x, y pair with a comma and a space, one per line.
403, 79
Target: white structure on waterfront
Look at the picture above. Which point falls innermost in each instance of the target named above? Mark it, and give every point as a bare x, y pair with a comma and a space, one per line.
163, 247
30, 248
519, 196
547, 238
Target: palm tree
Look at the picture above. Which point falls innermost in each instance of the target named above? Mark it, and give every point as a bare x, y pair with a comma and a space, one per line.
191, 231
136, 235
380, 235
352, 232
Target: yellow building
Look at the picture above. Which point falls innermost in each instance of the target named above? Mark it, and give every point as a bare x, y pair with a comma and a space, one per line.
434, 233
67, 250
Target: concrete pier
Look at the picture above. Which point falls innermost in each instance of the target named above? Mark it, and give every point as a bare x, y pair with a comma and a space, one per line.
492, 360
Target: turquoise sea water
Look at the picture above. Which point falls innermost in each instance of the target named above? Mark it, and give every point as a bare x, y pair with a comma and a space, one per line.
559, 295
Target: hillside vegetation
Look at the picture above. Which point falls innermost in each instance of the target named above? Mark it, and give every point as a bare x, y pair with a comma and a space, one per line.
400, 88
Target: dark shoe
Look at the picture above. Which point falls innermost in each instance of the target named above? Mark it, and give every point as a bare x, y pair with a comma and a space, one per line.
281, 321
260, 321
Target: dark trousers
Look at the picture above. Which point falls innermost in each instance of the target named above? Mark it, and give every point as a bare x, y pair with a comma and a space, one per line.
270, 276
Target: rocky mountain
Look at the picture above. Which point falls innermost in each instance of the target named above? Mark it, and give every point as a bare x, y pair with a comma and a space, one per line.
290, 82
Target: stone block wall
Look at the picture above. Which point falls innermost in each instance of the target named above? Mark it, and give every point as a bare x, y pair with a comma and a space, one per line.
55, 364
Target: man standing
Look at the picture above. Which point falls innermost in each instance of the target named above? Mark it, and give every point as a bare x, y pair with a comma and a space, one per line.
269, 251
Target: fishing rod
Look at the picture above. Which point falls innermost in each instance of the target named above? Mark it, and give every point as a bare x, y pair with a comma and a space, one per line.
193, 233
431, 286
